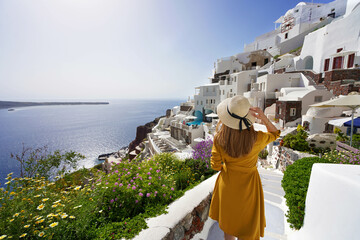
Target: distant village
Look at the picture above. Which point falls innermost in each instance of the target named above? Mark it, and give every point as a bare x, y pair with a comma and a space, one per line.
311, 56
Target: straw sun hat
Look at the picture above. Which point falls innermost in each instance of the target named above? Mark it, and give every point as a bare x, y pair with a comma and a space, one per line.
234, 113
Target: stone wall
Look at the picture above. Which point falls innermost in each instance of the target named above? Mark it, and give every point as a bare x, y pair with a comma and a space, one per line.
285, 110
185, 217
338, 81
283, 157
192, 223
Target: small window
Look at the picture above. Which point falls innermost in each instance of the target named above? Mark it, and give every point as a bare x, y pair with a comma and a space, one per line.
207, 101
234, 79
253, 64
318, 99
207, 89
297, 10
266, 60
339, 50
213, 89
292, 112
286, 35
214, 101
333, 10
230, 90
219, 92
197, 102
279, 111
201, 102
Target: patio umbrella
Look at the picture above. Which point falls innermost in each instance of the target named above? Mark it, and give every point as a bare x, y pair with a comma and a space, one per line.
350, 101
356, 123
199, 139
191, 117
339, 122
211, 115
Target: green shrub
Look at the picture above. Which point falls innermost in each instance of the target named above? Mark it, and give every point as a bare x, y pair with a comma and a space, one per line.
298, 141
295, 184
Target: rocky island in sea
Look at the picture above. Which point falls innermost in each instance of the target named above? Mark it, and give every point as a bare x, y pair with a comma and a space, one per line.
12, 104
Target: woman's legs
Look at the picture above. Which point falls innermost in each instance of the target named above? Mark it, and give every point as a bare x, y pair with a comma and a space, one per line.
229, 237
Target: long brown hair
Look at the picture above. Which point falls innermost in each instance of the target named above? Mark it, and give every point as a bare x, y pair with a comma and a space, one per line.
235, 143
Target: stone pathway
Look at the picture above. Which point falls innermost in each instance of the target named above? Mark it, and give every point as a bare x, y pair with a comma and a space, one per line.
274, 210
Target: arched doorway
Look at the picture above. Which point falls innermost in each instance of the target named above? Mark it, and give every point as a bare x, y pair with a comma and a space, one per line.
308, 63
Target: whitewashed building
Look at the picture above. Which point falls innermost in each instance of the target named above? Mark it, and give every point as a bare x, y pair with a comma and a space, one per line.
296, 24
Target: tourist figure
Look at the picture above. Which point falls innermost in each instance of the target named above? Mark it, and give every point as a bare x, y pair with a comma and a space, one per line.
238, 200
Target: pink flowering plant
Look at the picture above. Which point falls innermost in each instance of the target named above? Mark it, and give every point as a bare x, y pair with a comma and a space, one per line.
340, 157
200, 162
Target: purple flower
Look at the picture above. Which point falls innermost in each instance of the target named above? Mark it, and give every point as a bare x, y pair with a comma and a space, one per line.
116, 183
149, 183
116, 171
140, 194
107, 183
139, 168
156, 192
133, 187
148, 173
163, 185
150, 178
148, 195
128, 173
150, 169
120, 185
112, 200
136, 201
172, 189
158, 170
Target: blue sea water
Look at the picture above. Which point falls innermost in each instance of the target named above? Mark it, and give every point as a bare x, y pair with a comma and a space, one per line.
89, 129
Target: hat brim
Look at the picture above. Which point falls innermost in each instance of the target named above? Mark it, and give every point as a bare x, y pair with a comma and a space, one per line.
228, 120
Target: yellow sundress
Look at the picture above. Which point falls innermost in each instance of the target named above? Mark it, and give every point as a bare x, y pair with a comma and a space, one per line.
238, 200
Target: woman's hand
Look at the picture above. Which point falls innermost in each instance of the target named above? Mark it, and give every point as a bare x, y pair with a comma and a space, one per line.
258, 113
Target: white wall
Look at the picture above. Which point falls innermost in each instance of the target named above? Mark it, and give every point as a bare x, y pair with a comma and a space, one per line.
207, 92
309, 99
321, 44
332, 203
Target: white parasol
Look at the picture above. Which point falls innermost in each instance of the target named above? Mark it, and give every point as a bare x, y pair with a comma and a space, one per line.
350, 101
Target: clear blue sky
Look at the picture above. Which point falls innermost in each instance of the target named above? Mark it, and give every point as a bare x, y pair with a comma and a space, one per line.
85, 49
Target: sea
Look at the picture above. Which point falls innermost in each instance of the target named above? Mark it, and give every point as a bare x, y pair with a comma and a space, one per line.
88, 129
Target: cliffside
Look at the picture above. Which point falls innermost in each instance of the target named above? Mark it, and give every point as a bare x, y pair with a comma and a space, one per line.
141, 133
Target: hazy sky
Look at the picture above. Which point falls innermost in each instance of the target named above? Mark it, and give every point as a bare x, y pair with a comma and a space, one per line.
87, 49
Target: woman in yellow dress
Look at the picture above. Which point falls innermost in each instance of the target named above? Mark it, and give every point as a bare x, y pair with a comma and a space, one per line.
238, 200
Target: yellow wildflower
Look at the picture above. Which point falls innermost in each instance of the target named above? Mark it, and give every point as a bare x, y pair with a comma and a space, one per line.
40, 207
37, 195
8, 178
3, 236
23, 235
41, 220
64, 215
78, 206
41, 234
57, 201
26, 226
54, 206
72, 217
77, 188
11, 220
54, 224
22, 211
45, 199
7, 182
16, 214
9, 174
